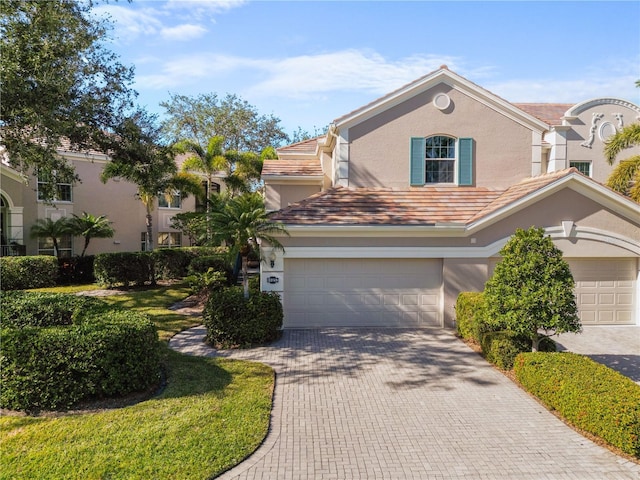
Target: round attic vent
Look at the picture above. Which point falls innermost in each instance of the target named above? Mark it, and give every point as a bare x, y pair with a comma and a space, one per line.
441, 101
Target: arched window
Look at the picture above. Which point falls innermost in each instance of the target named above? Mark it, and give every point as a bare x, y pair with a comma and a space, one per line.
440, 157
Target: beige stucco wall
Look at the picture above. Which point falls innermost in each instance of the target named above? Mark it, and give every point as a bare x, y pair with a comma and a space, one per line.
278, 196
581, 131
461, 275
379, 148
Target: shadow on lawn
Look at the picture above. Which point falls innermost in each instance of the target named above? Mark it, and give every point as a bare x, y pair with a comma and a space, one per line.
414, 358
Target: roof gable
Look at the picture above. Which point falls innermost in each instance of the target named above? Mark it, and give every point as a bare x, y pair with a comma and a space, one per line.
451, 79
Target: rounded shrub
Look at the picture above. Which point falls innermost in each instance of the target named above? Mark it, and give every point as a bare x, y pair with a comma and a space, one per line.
470, 317
501, 348
233, 321
20, 273
91, 351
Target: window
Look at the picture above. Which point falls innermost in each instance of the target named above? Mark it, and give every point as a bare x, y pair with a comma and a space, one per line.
65, 246
143, 241
583, 167
441, 159
63, 190
440, 155
169, 239
172, 201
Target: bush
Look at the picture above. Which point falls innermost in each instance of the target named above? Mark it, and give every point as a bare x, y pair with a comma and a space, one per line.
233, 321
124, 268
501, 348
209, 281
76, 270
589, 395
105, 351
470, 319
20, 273
171, 263
40, 309
218, 263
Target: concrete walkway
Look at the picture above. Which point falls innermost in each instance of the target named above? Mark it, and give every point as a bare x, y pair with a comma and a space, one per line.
404, 404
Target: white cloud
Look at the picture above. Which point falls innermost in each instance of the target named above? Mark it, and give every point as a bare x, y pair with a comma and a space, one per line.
129, 23
182, 32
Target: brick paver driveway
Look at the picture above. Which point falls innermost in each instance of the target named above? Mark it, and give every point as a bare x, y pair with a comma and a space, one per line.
405, 404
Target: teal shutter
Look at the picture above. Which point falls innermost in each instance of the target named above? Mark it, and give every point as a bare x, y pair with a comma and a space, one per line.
465, 161
418, 153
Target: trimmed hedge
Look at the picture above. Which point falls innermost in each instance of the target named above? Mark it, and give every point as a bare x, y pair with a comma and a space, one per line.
589, 395
470, 322
233, 321
501, 348
91, 351
124, 268
19, 273
171, 263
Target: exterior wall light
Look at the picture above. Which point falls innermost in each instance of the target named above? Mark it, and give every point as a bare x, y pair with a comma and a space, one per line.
272, 259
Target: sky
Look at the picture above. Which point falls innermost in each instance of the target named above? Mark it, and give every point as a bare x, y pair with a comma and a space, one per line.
308, 63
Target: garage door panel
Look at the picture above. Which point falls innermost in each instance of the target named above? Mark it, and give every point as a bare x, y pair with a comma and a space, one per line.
605, 290
381, 292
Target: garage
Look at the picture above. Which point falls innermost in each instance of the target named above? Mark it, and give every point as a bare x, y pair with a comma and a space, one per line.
605, 290
362, 292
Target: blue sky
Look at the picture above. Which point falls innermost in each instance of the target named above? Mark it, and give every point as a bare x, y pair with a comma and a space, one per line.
311, 62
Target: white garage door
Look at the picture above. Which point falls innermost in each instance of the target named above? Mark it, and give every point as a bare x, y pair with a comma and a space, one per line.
605, 290
362, 292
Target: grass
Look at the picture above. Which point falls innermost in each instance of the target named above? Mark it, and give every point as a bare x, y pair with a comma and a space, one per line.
211, 415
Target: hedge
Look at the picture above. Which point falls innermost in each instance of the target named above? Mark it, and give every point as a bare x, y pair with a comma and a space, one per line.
76, 270
104, 351
124, 268
20, 273
233, 321
470, 322
589, 395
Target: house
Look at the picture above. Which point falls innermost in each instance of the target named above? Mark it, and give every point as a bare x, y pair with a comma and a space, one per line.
21, 206
406, 202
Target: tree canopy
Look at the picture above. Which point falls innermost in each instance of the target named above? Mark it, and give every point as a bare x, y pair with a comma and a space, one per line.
202, 117
625, 177
60, 86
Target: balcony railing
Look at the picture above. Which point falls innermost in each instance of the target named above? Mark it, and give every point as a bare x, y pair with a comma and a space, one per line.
13, 250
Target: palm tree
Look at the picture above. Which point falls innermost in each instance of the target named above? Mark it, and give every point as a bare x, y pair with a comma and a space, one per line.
625, 178
243, 222
47, 228
140, 158
89, 226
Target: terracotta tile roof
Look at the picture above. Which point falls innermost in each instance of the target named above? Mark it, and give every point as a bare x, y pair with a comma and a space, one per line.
550, 113
521, 190
379, 206
306, 146
293, 168
416, 206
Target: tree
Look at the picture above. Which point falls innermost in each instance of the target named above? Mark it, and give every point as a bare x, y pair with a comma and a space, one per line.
532, 288
60, 85
89, 226
243, 222
139, 157
625, 178
205, 116
47, 228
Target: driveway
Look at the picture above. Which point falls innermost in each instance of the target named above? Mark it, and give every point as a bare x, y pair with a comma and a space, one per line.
404, 404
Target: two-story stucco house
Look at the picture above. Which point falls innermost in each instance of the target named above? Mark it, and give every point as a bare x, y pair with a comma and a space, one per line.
407, 201
22, 206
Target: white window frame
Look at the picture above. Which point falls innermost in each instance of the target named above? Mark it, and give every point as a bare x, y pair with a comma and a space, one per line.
170, 237
453, 161
57, 198
162, 198
45, 246
586, 162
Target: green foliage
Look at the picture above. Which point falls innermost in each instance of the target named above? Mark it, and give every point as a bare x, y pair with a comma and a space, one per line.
219, 263
103, 352
42, 309
470, 316
501, 348
589, 395
47, 228
28, 272
123, 268
207, 282
75, 270
89, 226
532, 288
170, 263
59, 83
234, 321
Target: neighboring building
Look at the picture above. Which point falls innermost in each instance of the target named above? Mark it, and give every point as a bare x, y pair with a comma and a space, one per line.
21, 207
407, 201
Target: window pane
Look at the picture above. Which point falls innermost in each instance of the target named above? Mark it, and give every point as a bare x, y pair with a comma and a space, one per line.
583, 167
173, 202
440, 159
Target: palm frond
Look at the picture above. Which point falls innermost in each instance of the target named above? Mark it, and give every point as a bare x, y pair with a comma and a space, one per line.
627, 137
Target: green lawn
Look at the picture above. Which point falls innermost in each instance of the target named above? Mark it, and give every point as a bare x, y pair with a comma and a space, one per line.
212, 414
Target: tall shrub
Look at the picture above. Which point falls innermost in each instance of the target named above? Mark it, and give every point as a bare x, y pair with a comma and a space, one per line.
531, 289
18, 273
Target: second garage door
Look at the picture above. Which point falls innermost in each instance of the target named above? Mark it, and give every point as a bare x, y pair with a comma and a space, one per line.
362, 292
605, 290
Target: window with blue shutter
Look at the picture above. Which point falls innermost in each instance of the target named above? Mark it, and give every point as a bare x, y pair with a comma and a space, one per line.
441, 159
